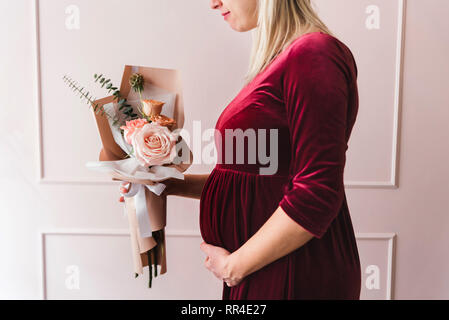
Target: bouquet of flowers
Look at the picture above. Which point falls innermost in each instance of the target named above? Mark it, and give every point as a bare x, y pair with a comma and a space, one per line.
139, 146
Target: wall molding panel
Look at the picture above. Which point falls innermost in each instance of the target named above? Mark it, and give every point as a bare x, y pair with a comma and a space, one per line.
389, 237
391, 184
91, 232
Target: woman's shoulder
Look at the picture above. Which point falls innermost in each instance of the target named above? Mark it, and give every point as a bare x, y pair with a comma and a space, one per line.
314, 43
319, 47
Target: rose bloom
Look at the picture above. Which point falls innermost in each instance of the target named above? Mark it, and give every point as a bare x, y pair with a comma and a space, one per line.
154, 145
162, 120
152, 107
131, 127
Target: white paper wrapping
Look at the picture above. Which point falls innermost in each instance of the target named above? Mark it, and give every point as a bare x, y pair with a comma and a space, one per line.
130, 168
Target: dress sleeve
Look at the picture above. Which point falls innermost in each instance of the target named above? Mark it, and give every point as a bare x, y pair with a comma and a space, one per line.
315, 89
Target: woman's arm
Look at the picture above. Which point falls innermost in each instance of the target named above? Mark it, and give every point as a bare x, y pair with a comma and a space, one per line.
279, 236
316, 92
190, 187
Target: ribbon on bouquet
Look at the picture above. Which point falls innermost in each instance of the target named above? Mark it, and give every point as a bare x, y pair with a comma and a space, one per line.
137, 191
131, 169
144, 208
152, 242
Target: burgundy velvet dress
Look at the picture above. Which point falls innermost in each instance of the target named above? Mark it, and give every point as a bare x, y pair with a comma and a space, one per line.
309, 94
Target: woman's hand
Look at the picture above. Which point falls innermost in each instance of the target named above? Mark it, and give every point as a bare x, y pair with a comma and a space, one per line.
190, 187
170, 184
220, 262
124, 188
126, 183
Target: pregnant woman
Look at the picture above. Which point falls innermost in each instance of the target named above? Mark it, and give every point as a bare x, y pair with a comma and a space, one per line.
286, 235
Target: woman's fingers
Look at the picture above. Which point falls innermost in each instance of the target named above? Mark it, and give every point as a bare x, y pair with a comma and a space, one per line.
123, 190
126, 183
124, 187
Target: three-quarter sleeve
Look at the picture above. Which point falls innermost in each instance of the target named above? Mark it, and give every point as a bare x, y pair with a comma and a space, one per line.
315, 89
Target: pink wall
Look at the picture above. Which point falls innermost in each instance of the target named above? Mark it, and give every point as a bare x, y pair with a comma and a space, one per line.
397, 173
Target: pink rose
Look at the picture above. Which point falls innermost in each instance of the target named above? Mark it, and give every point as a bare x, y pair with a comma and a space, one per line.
154, 145
131, 127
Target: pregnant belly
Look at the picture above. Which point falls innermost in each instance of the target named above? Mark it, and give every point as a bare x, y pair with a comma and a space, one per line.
235, 204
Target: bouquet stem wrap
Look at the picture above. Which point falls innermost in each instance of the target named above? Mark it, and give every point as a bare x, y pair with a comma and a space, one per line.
145, 208
147, 250
141, 207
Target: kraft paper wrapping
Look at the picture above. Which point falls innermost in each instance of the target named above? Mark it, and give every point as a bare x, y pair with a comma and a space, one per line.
168, 81
157, 210
140, 246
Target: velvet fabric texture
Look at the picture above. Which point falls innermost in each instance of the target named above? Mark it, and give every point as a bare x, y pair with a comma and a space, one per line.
309, 94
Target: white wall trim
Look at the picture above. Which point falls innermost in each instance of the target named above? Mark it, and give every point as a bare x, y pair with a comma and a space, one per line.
89, 232
392, 184
398, 91
390, 237
186, 233
38, 91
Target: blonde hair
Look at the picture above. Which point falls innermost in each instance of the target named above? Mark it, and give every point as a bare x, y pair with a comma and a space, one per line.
280, 22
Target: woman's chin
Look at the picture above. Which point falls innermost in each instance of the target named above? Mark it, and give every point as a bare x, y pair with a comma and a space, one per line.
240, 28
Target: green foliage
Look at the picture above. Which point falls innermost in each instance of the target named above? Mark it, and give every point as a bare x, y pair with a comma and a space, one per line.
84, 95
137, 82
124, 107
